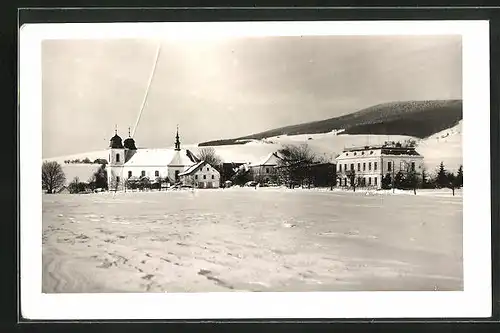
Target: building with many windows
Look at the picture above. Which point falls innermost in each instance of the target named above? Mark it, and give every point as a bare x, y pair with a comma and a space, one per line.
368, 165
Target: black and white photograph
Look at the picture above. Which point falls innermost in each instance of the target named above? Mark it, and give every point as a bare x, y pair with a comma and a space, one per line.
257, 163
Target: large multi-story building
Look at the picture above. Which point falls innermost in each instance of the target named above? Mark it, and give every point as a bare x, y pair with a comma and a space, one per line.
368, 165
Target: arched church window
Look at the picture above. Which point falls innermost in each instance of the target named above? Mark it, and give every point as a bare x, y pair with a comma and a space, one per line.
117, 157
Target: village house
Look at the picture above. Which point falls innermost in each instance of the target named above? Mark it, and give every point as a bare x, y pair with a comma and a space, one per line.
370, 164
201, 175
265, 169
125, 161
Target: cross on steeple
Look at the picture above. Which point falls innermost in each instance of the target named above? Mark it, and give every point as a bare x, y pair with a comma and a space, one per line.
177, 141
116, 129
129, 132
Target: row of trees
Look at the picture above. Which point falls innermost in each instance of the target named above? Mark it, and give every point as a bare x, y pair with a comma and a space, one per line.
53, 179
86, 160
145, 183
98, 180
410, 179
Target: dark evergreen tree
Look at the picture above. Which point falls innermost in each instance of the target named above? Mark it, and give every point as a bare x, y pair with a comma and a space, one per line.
100, 178
399, 180
386, 181
351, 174
460, 176
442, 178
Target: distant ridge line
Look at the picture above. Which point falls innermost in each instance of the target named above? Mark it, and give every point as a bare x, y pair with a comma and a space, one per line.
415, 118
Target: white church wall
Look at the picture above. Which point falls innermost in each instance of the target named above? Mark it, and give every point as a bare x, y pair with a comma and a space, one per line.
173, 169
149, 171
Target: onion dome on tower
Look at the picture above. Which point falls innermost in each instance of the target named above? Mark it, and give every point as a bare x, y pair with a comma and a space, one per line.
129, 143
116, 141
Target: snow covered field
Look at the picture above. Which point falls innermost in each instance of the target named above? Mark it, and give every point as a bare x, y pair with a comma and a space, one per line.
242, 239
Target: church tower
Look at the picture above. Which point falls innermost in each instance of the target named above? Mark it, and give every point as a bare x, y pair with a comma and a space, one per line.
130, 148
177, 141
116, 159
129, 143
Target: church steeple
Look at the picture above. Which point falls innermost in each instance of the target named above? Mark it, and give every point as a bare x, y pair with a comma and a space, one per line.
116, 141
129, 143
177, 142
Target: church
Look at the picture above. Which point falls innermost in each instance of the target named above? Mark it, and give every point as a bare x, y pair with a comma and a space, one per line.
126, 161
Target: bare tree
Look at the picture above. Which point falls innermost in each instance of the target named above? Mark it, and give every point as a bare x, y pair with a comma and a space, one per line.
295, 162
209, 155
53, 176
453, 182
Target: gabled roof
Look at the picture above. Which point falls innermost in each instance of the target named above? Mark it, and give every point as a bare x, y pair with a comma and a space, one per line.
181, 158
192, 168
271, 159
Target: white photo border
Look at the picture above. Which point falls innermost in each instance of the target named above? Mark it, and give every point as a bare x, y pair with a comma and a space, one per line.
474, 302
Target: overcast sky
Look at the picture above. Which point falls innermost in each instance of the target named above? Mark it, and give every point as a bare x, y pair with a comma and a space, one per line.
233, 87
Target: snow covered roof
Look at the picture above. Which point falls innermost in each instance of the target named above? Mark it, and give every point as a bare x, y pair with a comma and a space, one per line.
400, 151
192, 168
270, 159
181, 158
160, 158
374, 151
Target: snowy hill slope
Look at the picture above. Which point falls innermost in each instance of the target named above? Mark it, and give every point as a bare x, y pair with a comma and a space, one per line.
91, 155
445, 146
419, 119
